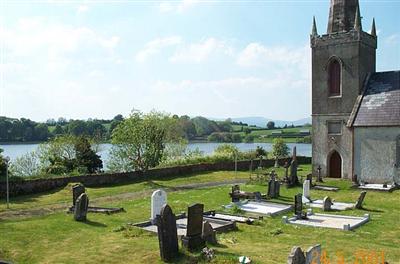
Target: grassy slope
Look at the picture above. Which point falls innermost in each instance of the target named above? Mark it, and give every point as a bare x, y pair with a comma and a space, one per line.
57, 238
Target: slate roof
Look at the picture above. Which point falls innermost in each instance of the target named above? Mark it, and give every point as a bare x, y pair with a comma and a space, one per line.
380, 103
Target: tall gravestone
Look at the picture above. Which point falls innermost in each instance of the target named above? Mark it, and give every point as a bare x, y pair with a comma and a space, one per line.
193, 239
293, 179
158, 200
273, 188
360, 200
81, 207
77, 190
298, 207
319, 177
167, 234
306, 190
327, 204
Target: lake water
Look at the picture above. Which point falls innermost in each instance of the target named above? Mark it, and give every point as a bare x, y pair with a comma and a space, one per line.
17, 150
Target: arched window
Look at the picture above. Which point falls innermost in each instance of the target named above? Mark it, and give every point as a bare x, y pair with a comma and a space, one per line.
334, 73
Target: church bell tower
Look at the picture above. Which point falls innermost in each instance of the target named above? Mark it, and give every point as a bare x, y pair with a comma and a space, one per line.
341, 61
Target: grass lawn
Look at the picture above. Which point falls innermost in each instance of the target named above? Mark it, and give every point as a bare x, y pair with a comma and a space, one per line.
57, 238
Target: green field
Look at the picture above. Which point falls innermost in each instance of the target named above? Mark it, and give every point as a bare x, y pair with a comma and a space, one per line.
37, 230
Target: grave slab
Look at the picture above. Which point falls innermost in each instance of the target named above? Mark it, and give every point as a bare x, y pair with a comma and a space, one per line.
335, 205
263, 208
379, 187
343, 222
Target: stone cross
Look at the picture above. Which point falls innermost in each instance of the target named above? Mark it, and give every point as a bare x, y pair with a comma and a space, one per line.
296, 256
360, 200
306, 189
158, 200
327, 204
193, 239
81, 207
77, 190
313, 255
167, 234
208, 234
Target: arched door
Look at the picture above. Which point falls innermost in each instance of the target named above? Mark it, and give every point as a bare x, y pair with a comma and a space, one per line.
335, 165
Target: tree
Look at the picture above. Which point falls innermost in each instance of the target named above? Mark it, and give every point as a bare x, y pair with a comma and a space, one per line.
246, 130
139, 141
3, 165
271, 125
77, 127
58, 130
227, 150
279, 150
260, 151
86, 157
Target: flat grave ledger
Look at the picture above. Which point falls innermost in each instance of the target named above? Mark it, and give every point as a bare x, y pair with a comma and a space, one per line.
342, 222
335, 205
181, 224
229, 217
379, 187
263, 208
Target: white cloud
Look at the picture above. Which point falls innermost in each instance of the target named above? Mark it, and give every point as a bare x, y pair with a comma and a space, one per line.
199, 52
155, 46
180, 7
82, 9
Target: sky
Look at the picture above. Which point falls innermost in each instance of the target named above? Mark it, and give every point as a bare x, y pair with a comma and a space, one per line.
97, 59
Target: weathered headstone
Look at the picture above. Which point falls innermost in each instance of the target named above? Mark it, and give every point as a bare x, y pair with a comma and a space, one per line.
257, 196
208, 234
77, 190
158, 200
360, 200
81, 207
293, 179
296, 256
313, 255
273, 188
193, 239
235, 193
306, 189
298, 207
167, 234
327, 204
319, 178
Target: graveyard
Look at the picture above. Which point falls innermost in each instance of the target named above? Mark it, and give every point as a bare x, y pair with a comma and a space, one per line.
39, 229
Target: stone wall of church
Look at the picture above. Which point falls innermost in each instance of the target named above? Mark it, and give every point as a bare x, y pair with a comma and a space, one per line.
375, 154
323, 145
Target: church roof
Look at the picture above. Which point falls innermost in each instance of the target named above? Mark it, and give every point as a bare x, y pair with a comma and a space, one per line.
380, 103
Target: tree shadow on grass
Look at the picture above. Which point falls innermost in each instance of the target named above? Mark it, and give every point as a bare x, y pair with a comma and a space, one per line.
93, 223
371, 210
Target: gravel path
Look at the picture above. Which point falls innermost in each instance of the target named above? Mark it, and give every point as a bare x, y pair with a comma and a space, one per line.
49, 209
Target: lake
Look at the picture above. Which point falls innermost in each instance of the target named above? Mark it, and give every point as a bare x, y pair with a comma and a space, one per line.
17, 150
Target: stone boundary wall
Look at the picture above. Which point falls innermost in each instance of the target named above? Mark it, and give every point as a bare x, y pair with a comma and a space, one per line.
41, 185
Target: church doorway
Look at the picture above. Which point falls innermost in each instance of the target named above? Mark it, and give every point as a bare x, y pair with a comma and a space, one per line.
335, 165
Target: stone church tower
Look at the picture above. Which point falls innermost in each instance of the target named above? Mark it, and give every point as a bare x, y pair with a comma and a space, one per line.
341, 60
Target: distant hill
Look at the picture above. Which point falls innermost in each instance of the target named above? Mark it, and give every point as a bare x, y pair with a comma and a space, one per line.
262, 121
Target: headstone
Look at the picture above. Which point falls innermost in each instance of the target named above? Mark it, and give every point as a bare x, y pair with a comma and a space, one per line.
235, 193
306, 189
77, 190
296, 256
208, 234
298, 205
167, 234
286, 166
319, 178
293, 179
193, 239
81, 207
257, 196
273, 188
309, 178
158, 200
360, 200
327, 204
313, 255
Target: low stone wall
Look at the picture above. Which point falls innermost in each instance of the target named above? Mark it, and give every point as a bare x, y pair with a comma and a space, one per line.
41, 185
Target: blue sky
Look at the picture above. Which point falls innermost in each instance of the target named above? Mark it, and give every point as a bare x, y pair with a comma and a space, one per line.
96, 59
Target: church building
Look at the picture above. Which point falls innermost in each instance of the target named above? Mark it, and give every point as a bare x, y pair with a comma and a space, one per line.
355, 110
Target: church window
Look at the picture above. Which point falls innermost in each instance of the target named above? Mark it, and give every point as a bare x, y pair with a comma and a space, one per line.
334, 77
334, 127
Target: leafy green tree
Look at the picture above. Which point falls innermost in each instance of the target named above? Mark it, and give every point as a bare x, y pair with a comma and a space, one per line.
86, 157
3, 165
227, 150
77, 128
58, 130
139, 141
249, 138
27, 165
279, 150
260, 151
271, 125
41, 132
